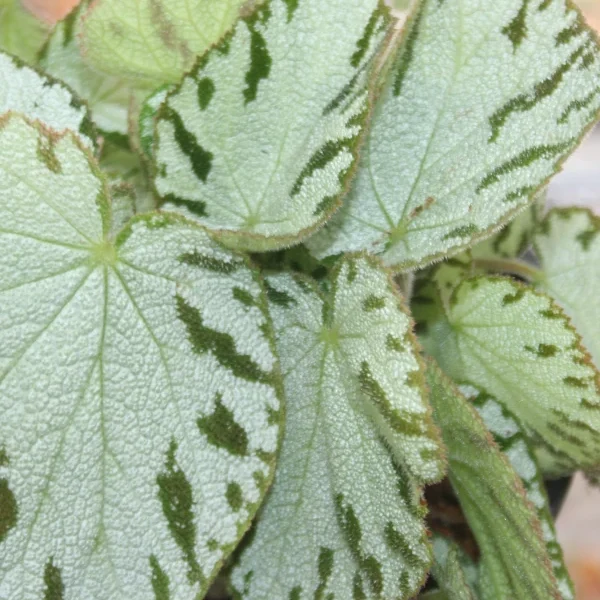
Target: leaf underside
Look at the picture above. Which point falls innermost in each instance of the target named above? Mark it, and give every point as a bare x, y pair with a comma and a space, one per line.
140, 416
519, 346
448, 571
483, 103
568, 247
512, 440
154, 41
344, 517
258, 142
514, 560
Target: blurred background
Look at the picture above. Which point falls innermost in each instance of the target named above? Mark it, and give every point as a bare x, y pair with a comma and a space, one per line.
579, 183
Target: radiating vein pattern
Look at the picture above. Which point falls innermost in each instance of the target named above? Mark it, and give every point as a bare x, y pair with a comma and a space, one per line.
136, 390
259, 140
344, 516
515, 562
519, 346
512, 440
568, 247
26, 91
461, 138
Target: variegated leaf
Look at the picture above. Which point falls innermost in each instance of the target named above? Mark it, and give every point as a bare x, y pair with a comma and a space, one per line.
344, 518
259, 140
25, 90
514, 560
519, 346
510, 437
568, 247
448, 570
482, 105
21, 34
108, 97
137, 388
155, 41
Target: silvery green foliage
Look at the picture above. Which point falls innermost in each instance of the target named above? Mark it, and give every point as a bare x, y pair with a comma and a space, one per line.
483, 103
137, 388
107, 97
518, 345
512, 440
515, 562
38, 96
344, 518
154, 41
568, 246
258, 142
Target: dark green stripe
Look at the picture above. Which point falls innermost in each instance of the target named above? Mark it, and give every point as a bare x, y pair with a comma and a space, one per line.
373, 302
160, 581
222, 431
516, 30
221, 345
8, 509
260, 59
292, 5
577, 105
206, 90
325, 567
54, 587
196, 207
407, 52
525, 102
462, 231
524, 159
364, 42
397, 543
234, 496
210, 263
319, 160
175, 495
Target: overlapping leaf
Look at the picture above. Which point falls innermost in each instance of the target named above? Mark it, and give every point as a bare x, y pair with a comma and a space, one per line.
518, 345
156, 41
568, 247
344, 517
107, 97
482, 104
514, 560
21, 34
511, 438
137, 388
259, 141
25, 90
448, 571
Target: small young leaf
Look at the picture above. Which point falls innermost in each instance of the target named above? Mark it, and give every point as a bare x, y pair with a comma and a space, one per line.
138, 396
154, 41
448, 571
21, 34
568, 247
344, 518
519, 346
41, 97
514, 561
107, 97
510, 437
259, 140
484, 102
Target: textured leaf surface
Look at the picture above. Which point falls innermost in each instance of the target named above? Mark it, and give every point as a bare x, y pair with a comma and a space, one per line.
139, 418
21, 34
519, 346
25, 90
343, 519
154, 40
514, 561
510, 437
448, 571
107, 97
568, 247
483, 103
259, 140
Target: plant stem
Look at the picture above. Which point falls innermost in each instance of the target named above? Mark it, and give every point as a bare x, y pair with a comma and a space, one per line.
513, 267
